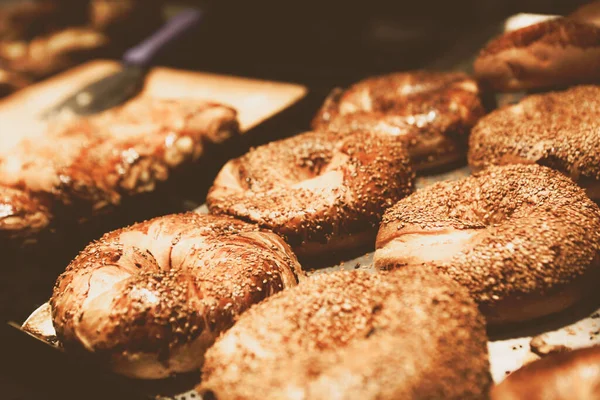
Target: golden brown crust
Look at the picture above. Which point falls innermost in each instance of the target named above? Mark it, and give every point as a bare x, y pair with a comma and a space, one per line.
315, 188
560, 32
524, 239
556, 129
171, 283
355, 335
560, 376
430, 112
551, 53
86, 166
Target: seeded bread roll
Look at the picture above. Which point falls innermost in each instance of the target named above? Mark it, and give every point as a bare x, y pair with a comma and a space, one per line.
556, 129
524, 239
561, 376
151, 298
323, 192
431, 113
355, 335
553, 53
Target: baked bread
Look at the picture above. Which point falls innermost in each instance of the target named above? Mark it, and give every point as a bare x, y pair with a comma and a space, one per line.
431, 113
323, 192
43, 37
556, 129
149, 299
80, 168
553, 53
355, 335
560, 376
524, 239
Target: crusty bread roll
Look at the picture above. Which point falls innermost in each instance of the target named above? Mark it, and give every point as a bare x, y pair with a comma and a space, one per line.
553, 53
323, 192
555, 129
559, 376
431, 113
151, 298
355, 335
524, 239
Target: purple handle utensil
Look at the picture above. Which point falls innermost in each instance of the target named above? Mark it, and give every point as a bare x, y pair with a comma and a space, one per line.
143, 54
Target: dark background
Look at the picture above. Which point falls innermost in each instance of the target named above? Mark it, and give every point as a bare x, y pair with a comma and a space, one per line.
322, 43
325, 43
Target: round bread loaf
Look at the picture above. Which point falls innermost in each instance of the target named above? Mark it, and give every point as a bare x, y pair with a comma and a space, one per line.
560, 376
355, 335
552, 53
152, 297
323, 192
524, 239
557, 129
430, 112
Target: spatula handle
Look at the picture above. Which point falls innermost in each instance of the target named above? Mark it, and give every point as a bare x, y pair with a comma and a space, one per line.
143, 54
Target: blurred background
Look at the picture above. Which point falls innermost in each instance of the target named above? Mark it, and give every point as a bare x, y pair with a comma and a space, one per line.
318, 43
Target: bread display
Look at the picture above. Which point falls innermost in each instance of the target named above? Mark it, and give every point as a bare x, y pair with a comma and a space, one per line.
259, 293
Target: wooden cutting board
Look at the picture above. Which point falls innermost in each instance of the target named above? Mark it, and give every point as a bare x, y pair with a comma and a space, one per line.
255, 100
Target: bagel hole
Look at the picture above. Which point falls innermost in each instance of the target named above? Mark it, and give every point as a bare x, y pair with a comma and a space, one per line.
517, 70
327, 180
208, 395
554, 162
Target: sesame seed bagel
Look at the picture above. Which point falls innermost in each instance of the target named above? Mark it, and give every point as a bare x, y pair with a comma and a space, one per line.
553, 53
151, 298
323, 192
431, 112
355, 335
561, 376
557, 129
524, 239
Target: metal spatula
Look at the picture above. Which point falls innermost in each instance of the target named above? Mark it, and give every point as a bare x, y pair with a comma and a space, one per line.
119, 87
